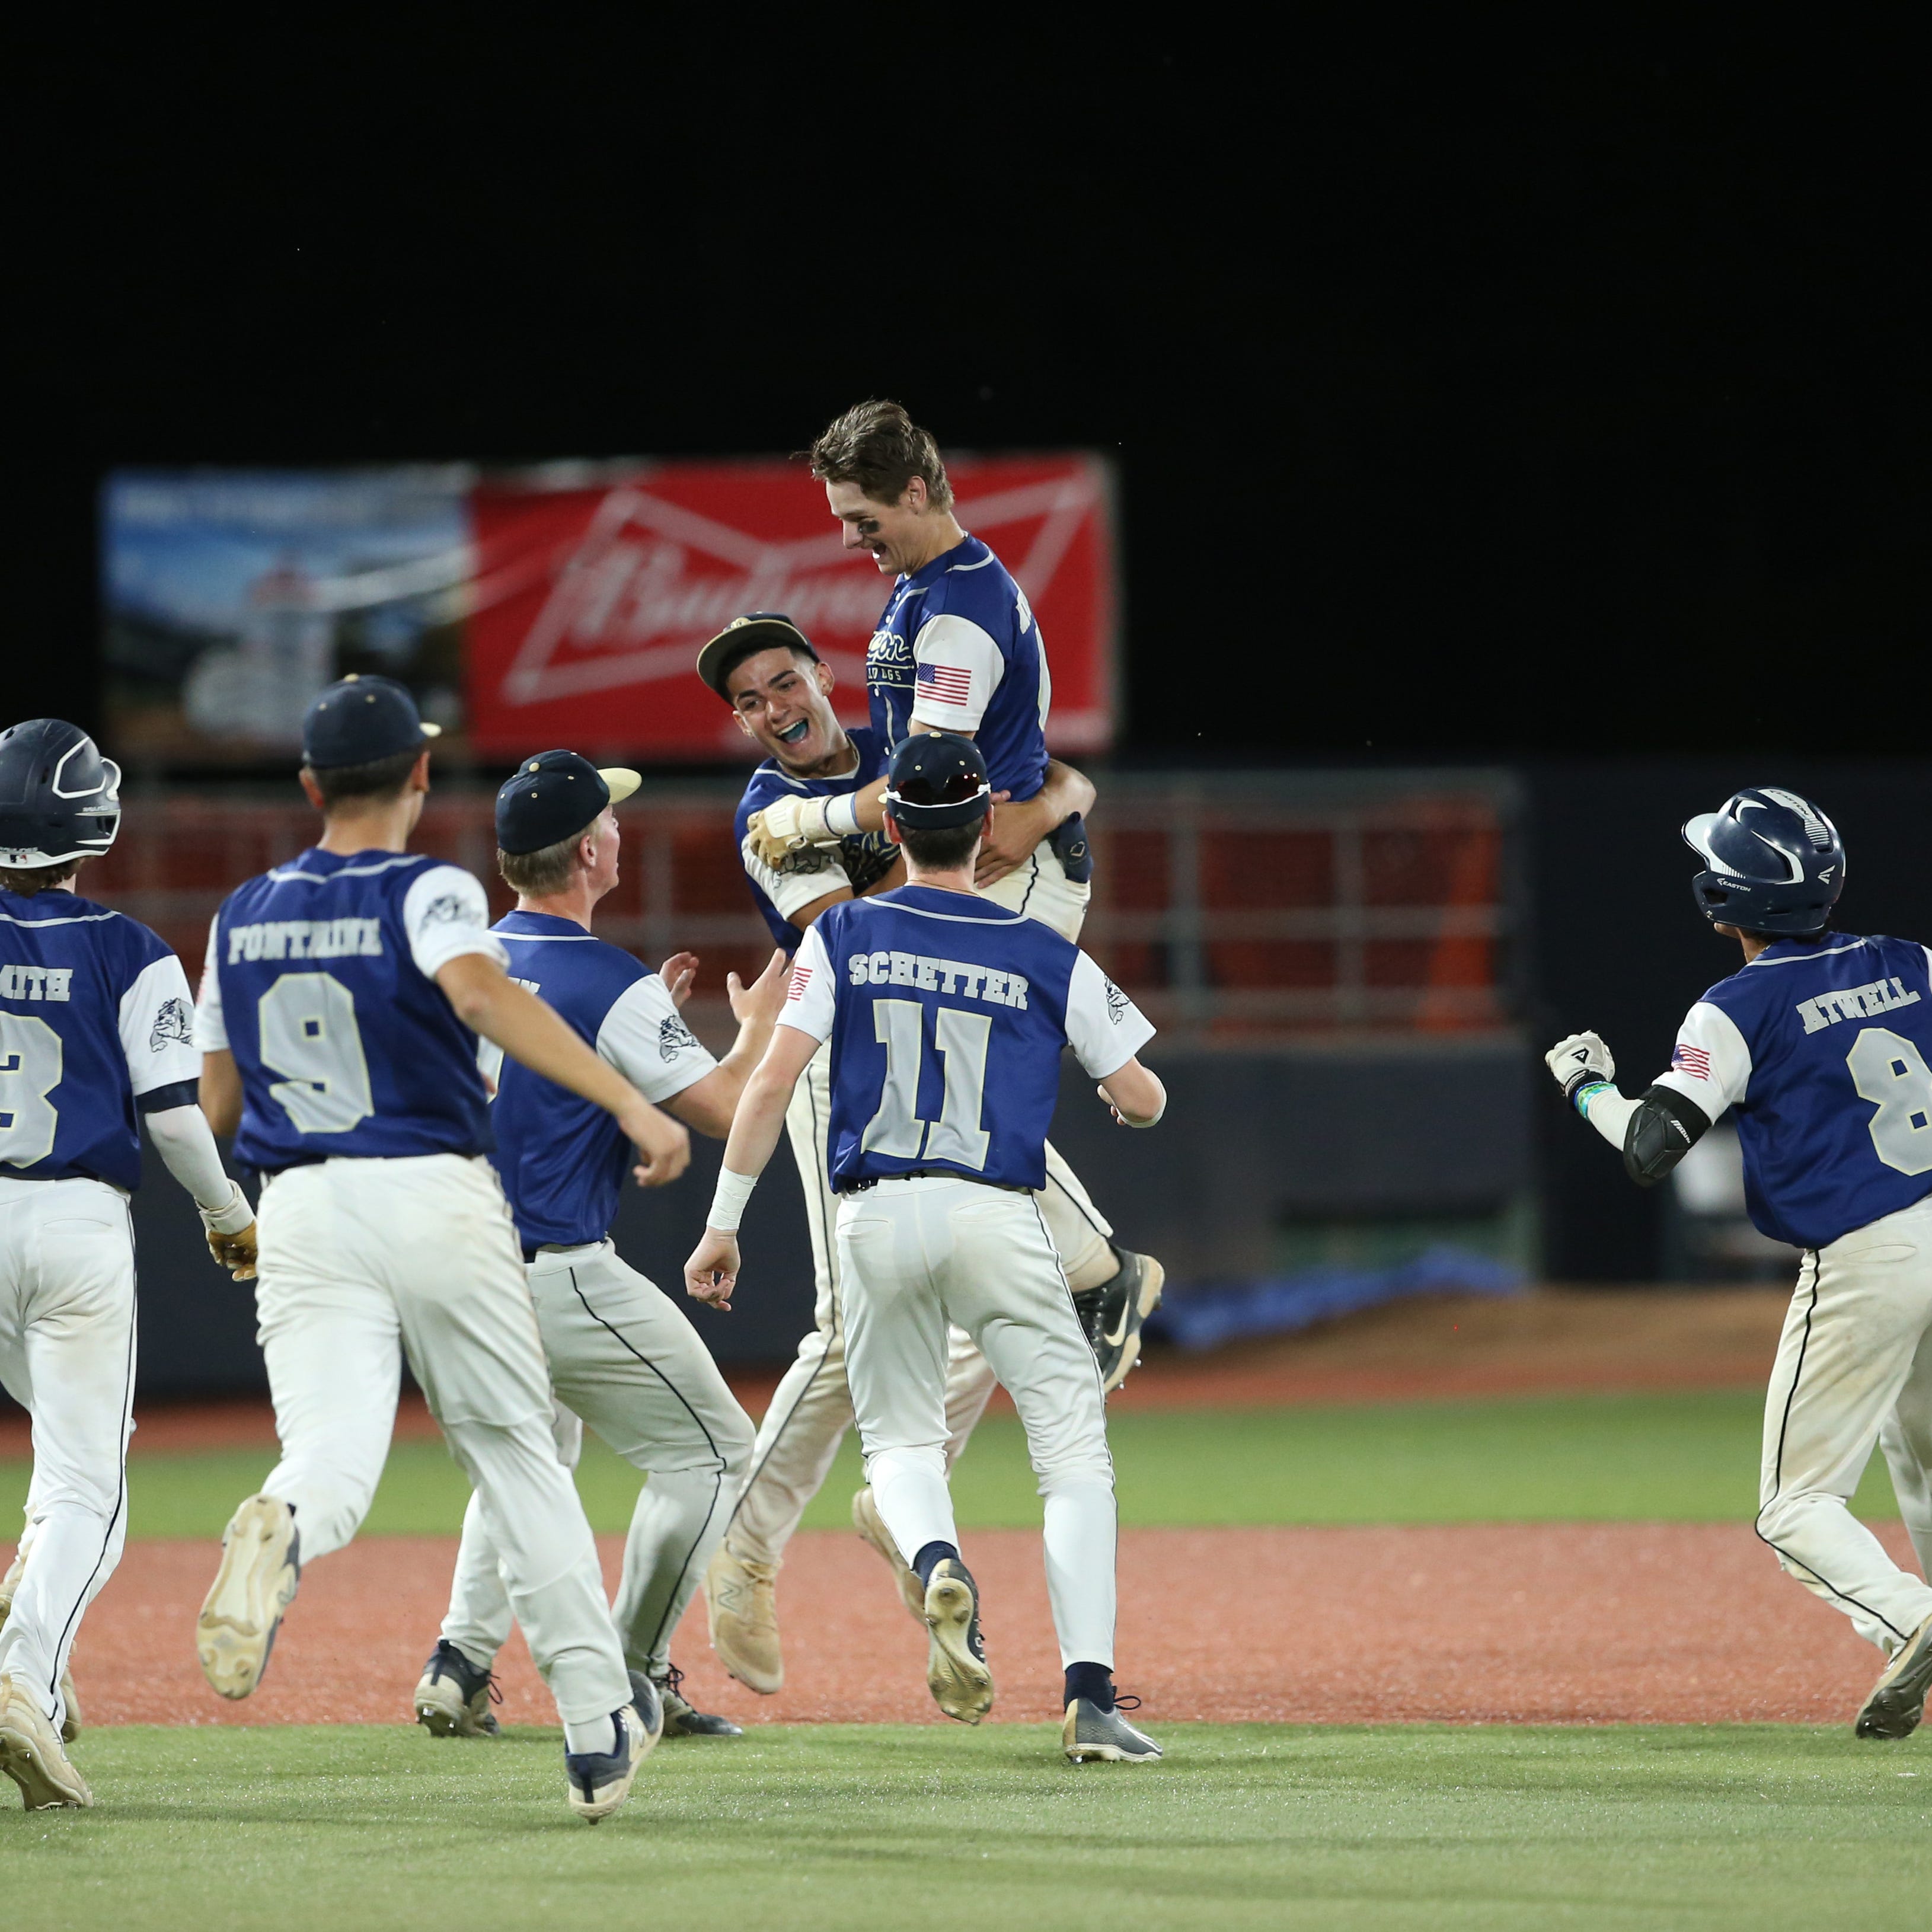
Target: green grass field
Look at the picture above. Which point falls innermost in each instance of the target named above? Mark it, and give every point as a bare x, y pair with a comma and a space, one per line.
839, 1827
1681, 1456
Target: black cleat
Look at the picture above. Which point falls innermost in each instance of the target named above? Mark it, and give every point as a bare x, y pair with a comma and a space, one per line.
681, 1719
1112, 1314
1897, 1701
453, 1697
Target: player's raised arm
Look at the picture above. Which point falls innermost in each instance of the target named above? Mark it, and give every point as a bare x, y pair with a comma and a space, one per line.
1019, 825
708, 1104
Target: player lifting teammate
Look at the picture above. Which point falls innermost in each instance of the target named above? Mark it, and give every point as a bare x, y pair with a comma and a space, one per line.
623, 1357
780, 692
339, 1011
1822, 1047
96, 1037
945, 1017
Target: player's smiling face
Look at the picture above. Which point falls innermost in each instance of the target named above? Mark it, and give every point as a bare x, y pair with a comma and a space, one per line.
784, 702
897, 535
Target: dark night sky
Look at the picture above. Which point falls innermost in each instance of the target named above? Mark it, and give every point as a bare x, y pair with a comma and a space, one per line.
1469, 399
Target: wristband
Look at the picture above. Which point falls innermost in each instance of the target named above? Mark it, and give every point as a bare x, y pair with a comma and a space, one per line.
841, 814
231, 1217
727, 1203
1588, 1092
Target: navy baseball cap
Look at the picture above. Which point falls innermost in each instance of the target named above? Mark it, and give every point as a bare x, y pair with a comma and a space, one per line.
358, 720
756, 631
554, 796
937, 779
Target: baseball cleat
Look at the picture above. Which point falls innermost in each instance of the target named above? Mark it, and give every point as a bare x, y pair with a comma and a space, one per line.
1112, 1315
955, 1664
261, 1566
1898, 1700
741, 1599
1091, 1735
868, 1521
69, 1728
682, 1719
600, 1781
453, 1696
31, 1753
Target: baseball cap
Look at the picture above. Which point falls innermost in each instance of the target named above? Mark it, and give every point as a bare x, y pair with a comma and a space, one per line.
358, 720
554, 796
756, 631
937, 779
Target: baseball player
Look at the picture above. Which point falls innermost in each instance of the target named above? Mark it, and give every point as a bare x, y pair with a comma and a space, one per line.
957, 649
623, 1357
1822, 1047
779, 690
96, 1037
946, 1016
339, 1011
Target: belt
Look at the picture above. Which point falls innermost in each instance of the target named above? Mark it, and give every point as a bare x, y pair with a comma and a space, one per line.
928, 1174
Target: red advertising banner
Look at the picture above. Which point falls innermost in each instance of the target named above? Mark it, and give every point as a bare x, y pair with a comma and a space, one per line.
588, 605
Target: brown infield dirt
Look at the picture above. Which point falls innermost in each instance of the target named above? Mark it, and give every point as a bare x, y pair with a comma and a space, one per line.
1567, 1623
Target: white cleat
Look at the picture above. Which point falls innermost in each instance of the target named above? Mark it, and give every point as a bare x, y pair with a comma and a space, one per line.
956, 1672
261, 1565
1091, 1734
741, 1601
31, 1753
600, 1781
868, 1521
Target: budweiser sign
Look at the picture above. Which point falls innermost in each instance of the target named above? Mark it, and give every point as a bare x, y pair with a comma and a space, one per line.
588, 606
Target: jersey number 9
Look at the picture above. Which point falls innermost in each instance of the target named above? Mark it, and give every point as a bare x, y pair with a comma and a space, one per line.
309, 1036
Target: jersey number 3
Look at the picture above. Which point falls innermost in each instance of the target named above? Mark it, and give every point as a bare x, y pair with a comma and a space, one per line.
1889, 1071
309, 1036
30, 1069
896, 1130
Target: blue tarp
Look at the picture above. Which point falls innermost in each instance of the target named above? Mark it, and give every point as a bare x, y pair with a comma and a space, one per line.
1204, 1316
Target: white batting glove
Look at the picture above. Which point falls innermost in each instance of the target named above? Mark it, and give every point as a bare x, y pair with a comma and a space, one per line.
780, 830
1582, 1061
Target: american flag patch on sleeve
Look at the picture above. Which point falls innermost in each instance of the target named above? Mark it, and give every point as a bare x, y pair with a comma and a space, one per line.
1691, 1060
950, 684
801, 978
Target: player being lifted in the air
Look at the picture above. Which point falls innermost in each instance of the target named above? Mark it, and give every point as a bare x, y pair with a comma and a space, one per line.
1821, 1046
96, 1036
946, 1016
764, 667
623, 1357
339, 1011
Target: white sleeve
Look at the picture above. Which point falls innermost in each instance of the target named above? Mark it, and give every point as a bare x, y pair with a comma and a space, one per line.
809, 1004
1711, 1064
184, 1141
1104, 1028
959, 668
211, 1028
445, 914
810, 873
156, 1024
645, 1039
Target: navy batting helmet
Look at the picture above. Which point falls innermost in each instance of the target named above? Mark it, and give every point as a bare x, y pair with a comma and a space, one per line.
1773, 862
59, 798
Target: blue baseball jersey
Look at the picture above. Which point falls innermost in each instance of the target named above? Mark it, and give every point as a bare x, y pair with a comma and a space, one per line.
859, 862
1825, 1051
958, 646
947, 1016
561, 1158
320, 980
96, 1027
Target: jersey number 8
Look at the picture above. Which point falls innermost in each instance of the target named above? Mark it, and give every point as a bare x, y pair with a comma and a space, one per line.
309, 1036
1889, 1071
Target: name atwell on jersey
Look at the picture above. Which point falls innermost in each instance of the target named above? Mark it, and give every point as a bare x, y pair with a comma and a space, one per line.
937, 975
1855, 1003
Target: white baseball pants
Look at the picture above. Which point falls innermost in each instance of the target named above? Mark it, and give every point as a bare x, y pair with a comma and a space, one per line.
1855, 1366
66, 1357
624, 1358
917, 1255
362, 1261
811, 1409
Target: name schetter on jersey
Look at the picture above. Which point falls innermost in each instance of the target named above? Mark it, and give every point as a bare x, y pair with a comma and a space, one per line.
307, 939
1854, 1003
937, 975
